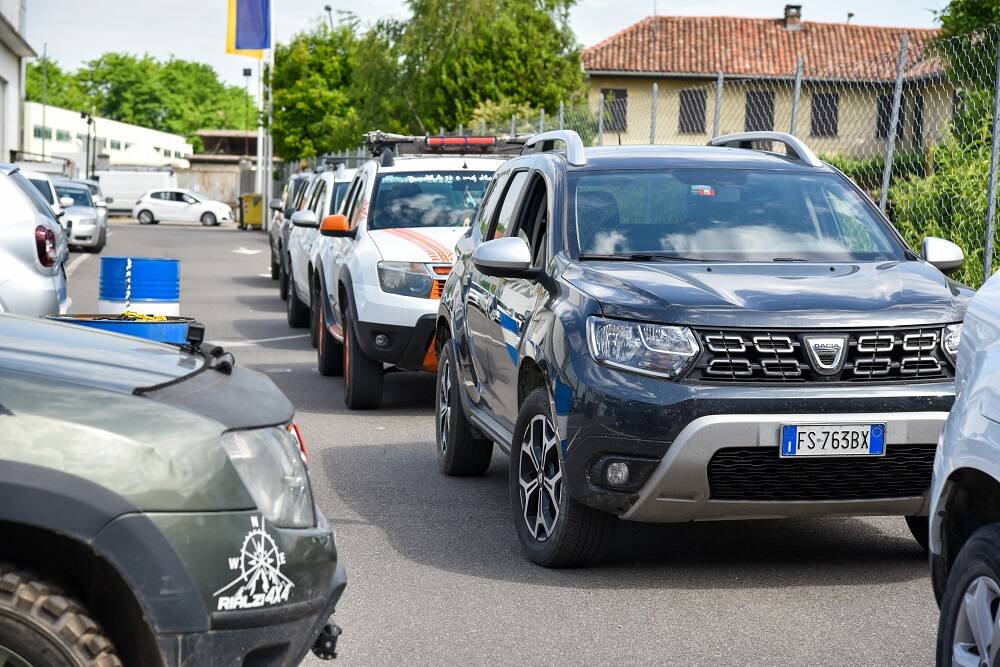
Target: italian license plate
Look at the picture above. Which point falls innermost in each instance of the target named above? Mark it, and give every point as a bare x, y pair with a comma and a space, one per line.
832, 440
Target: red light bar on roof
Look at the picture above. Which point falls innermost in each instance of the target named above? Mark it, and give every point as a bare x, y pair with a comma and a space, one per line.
380, 142
461, 141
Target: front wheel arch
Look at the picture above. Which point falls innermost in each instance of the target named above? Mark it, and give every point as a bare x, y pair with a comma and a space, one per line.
972, 500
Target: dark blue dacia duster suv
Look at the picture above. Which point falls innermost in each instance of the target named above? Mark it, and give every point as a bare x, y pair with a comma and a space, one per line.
670, 334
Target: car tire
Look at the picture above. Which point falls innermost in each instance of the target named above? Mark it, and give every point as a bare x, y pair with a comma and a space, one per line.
973, 586
145, 217
920, 529
43, 626
314, 313
101, 242
565, 533
275, 267
208, 219
296, 311
282, 280
329, 350
362, 376
460, 452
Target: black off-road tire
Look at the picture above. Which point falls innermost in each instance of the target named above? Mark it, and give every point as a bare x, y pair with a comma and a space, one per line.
362, 376
314, 312
47, 628
461, 453
979, 557
297, 312
329, 350
581, 535
920, 529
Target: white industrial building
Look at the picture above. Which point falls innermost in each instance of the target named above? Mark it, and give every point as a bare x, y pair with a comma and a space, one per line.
54, 132
13, 50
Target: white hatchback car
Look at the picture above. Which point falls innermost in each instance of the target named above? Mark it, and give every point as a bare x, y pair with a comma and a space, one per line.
964, 527
180, 205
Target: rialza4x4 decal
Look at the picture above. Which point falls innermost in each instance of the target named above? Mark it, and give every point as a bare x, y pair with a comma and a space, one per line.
260, 582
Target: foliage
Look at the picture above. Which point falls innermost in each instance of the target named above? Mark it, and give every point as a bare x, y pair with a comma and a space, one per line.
455, 55
867, 172
175, 95
313, 109
969, 40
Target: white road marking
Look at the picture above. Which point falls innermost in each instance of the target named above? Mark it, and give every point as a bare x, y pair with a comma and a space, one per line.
248, 343
246, 251
75, 263
264, 275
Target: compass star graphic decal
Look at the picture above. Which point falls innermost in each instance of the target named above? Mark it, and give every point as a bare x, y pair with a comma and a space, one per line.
260, 582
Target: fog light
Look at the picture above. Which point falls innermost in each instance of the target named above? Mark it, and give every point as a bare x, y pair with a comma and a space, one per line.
381, 340
616, 473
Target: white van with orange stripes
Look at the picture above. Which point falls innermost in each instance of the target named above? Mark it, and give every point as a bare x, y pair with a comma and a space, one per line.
379, 279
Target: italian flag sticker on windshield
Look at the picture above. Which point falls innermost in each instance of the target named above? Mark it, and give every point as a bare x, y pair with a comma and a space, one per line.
702, 190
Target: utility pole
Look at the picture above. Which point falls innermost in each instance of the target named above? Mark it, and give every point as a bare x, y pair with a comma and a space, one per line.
45, 91
247, 72
329, 14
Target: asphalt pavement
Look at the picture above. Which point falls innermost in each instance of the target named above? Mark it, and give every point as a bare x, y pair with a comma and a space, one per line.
435, 573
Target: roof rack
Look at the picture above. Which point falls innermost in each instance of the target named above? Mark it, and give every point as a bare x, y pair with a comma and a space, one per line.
386, 145
545, 142
793, 145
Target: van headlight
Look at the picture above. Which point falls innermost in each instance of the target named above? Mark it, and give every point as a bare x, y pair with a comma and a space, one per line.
650, 349
272, 466
406, 278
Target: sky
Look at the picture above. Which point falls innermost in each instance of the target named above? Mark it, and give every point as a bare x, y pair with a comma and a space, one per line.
74, 31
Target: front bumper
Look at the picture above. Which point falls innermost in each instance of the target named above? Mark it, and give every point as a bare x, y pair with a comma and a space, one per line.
85, 236
407, 347
674, 429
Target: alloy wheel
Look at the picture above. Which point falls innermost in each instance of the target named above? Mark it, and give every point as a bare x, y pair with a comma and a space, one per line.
976, 640
540, 477
444, 403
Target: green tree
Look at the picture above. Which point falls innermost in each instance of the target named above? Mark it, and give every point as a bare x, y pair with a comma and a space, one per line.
377, 86
313, 111
61, 88
178, 96
458, 54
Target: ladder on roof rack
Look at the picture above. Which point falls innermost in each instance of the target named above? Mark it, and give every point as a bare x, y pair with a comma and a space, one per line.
545, 142
796, 148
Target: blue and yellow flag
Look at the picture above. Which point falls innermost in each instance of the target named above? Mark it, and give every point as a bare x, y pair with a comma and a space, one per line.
248, 31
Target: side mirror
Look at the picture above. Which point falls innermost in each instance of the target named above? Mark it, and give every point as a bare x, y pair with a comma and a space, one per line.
275, 204
508, 257
336, 225
100, 203
66, 202
942, 254
289, 212
304, 218
109, 200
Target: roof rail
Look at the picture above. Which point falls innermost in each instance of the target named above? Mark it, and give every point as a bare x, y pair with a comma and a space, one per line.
545, 142
794, 145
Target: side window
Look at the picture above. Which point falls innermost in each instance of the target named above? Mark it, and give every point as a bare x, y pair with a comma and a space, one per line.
358, 204
318, 197
509, 206
532, 220
488, 206
348, 200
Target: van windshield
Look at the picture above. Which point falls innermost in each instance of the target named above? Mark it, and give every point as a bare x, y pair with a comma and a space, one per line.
427, 199
732, 215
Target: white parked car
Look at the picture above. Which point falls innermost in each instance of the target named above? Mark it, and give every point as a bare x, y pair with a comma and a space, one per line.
325, 196
44, 184
180, 205
964, 531
32, 250
380, 278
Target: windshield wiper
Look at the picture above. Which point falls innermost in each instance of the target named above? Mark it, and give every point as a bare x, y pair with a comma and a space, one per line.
642, 257
788, 259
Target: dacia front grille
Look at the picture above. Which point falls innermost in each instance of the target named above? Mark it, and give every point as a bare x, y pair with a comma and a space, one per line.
803, 356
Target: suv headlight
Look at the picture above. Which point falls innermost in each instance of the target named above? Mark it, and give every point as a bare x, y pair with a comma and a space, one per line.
651, 349
406, 278
272, 467
950, 339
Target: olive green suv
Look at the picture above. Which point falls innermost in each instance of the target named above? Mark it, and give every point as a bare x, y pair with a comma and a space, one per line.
155, 508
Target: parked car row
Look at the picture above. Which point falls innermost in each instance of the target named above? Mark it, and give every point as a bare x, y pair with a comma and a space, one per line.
663, 335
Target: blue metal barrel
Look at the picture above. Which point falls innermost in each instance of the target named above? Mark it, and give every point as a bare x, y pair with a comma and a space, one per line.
155, 285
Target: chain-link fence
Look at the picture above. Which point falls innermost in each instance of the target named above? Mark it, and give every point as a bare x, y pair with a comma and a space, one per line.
913, 127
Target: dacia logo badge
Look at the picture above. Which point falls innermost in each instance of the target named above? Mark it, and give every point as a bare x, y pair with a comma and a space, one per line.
826, 353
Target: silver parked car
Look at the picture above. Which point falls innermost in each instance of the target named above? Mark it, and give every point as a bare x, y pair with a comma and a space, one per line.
100, 200
85, 225
32, 250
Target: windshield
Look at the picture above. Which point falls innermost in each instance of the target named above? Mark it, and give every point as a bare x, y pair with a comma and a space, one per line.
429, 199
43, 187
80, 196
726, 215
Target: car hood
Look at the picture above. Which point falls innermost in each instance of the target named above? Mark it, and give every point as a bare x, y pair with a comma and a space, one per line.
82, 356
773, 295
417, 244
